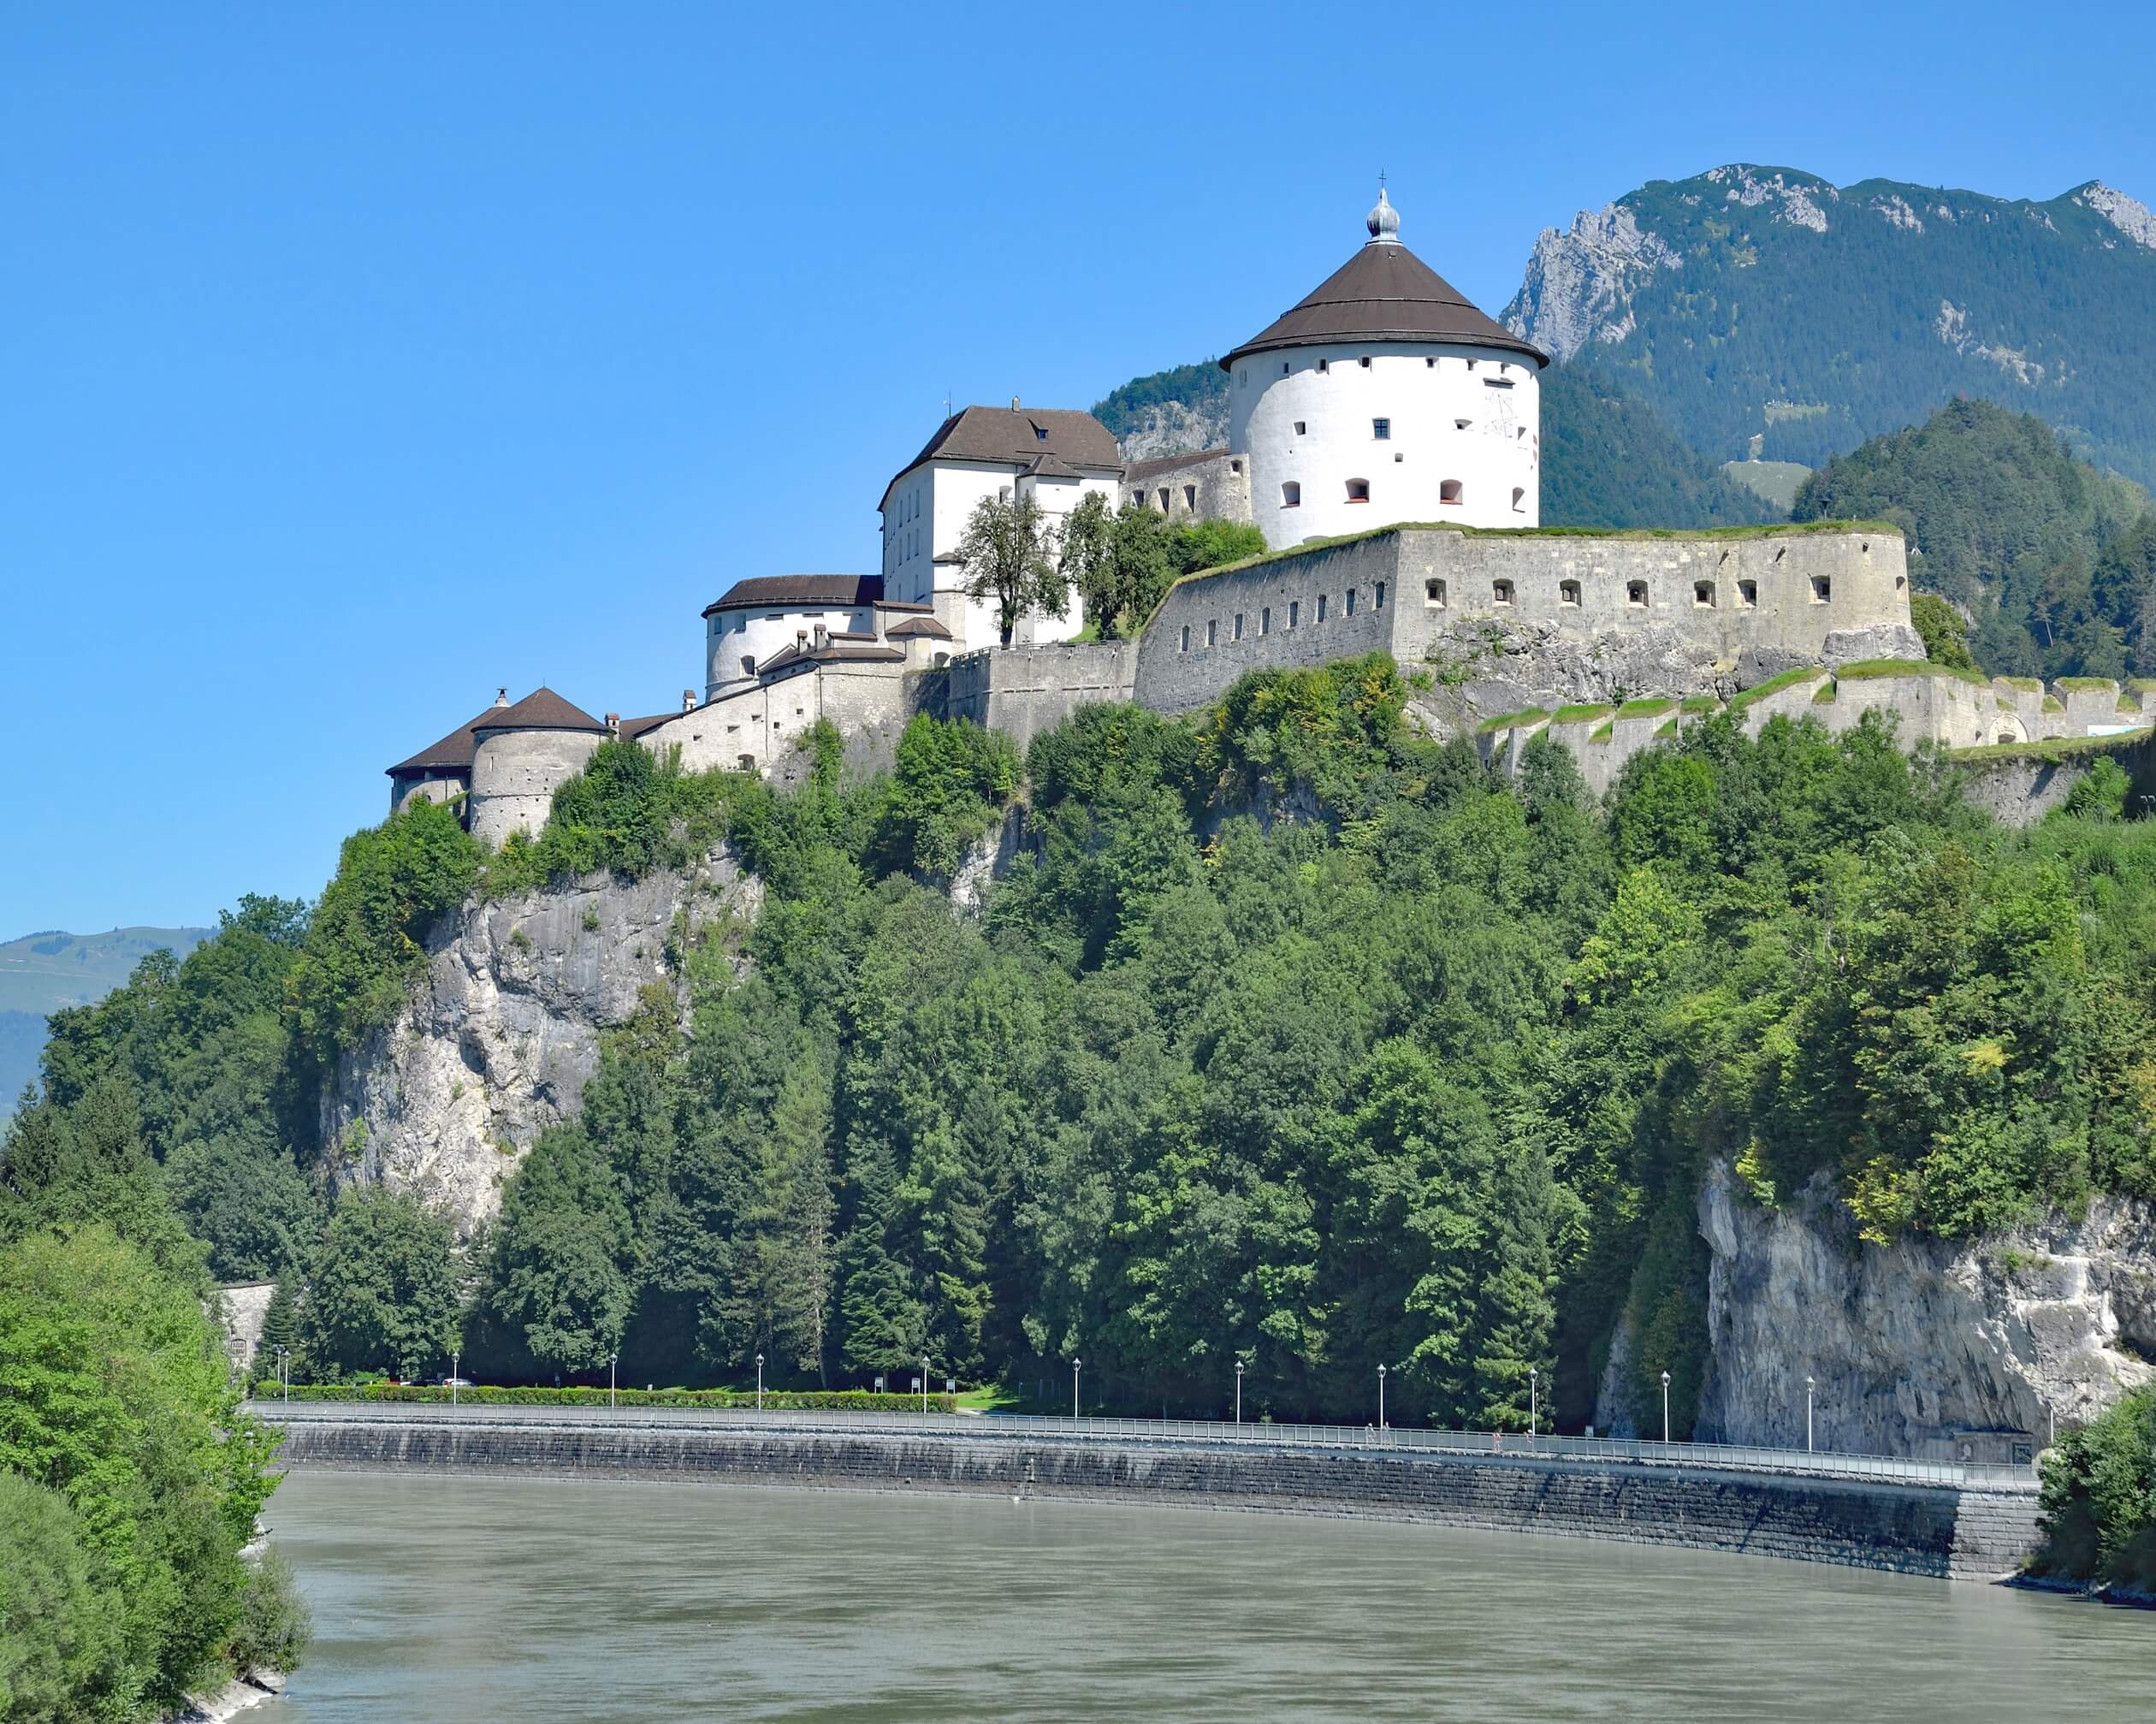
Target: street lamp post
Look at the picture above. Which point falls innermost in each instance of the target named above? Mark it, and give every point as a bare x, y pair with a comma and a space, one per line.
610, 1382
1239, 1371
454, 1357
1665, 1407
1381, 1398
1808, 1415
1074, 1389
759, 1383
924, 1382
284, 1375
1534, 1406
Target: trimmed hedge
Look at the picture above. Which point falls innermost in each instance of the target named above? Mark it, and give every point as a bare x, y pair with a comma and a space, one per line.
730, 1400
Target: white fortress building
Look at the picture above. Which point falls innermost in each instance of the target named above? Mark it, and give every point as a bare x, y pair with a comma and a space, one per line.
1386, 418
1057, 457
1383, 396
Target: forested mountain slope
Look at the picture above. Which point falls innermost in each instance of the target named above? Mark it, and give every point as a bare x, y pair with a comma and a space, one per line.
41, 972
2055, 561
1752, 301
1429, 1076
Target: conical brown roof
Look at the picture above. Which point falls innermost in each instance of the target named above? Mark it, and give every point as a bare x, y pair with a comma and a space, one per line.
542, 710
1385, 292
452, 752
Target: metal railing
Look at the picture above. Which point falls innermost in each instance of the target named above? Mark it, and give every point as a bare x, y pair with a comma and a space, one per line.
1407, 1443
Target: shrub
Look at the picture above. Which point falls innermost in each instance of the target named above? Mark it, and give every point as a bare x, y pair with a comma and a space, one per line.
62, 1656
275, 1626
951, 780
728, 1400
2100, 1499
628, 813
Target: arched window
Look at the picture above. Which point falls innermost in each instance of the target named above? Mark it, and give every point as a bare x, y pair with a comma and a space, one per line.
1450, 492
1291, 496
1359, 490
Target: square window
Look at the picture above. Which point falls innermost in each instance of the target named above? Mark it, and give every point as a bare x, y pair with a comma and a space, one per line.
1359, 490
1299, 428
1501, 592
1381, 429
1703, 595
1636, 595
1430, 364
1434, 595
1822, 589
1747, 594
1041, 434
1568, 594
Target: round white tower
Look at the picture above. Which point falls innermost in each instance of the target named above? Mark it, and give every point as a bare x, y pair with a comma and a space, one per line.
1385, 397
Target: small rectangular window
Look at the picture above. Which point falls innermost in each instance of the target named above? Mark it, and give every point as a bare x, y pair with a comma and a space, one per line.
1430, 364
1212, 634
1299, 428
1568, 595
1501, 592
1822, 589
1434, 595
1040, 433
1325, 364
1381, 430
1747, 593
1265, 620
1238, 617
1190, 498
1321, 608
1378, 603
1366, 362
1295, 612
1703, 595
1351, 602
1185, 636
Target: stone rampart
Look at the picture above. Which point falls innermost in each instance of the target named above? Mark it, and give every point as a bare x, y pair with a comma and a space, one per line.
1942, 1530
1023, 691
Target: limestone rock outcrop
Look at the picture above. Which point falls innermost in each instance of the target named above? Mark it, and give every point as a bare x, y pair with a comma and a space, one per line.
497, 1041
1916, 1345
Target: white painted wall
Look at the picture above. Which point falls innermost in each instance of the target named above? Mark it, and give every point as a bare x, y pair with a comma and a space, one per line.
757, 631
1494, 453
927, 516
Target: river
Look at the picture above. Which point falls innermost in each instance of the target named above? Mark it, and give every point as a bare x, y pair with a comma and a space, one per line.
530, 1601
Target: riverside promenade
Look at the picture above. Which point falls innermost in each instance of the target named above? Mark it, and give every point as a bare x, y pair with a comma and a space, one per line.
1946, 1520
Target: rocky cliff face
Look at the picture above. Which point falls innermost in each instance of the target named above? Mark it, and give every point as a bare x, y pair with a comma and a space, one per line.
498, 1040
1913, 1345
1176, 428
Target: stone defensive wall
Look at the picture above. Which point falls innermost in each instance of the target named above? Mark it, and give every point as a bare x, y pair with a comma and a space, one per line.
1024, 691
1772, 595
2020, 748
1909, 1517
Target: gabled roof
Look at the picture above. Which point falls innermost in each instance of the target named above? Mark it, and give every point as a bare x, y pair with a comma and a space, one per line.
452, 754
786, 657
633, 728
927, 627
542, 710
795, 590
1384, 293
1017, 436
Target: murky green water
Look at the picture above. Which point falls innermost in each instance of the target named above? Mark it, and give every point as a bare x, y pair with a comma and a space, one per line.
526, 1600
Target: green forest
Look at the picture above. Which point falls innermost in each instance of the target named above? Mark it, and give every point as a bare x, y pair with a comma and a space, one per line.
1293, 1039
2053, 560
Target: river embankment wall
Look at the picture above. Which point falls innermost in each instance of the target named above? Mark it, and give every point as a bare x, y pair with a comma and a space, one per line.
1944, 1531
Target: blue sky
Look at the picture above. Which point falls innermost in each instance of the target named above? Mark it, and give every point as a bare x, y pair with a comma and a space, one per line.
358, 359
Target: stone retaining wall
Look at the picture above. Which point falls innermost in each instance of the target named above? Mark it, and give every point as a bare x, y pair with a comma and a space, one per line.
1940, 1531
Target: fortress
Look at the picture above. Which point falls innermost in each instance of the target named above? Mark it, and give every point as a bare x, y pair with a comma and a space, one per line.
1385, 439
